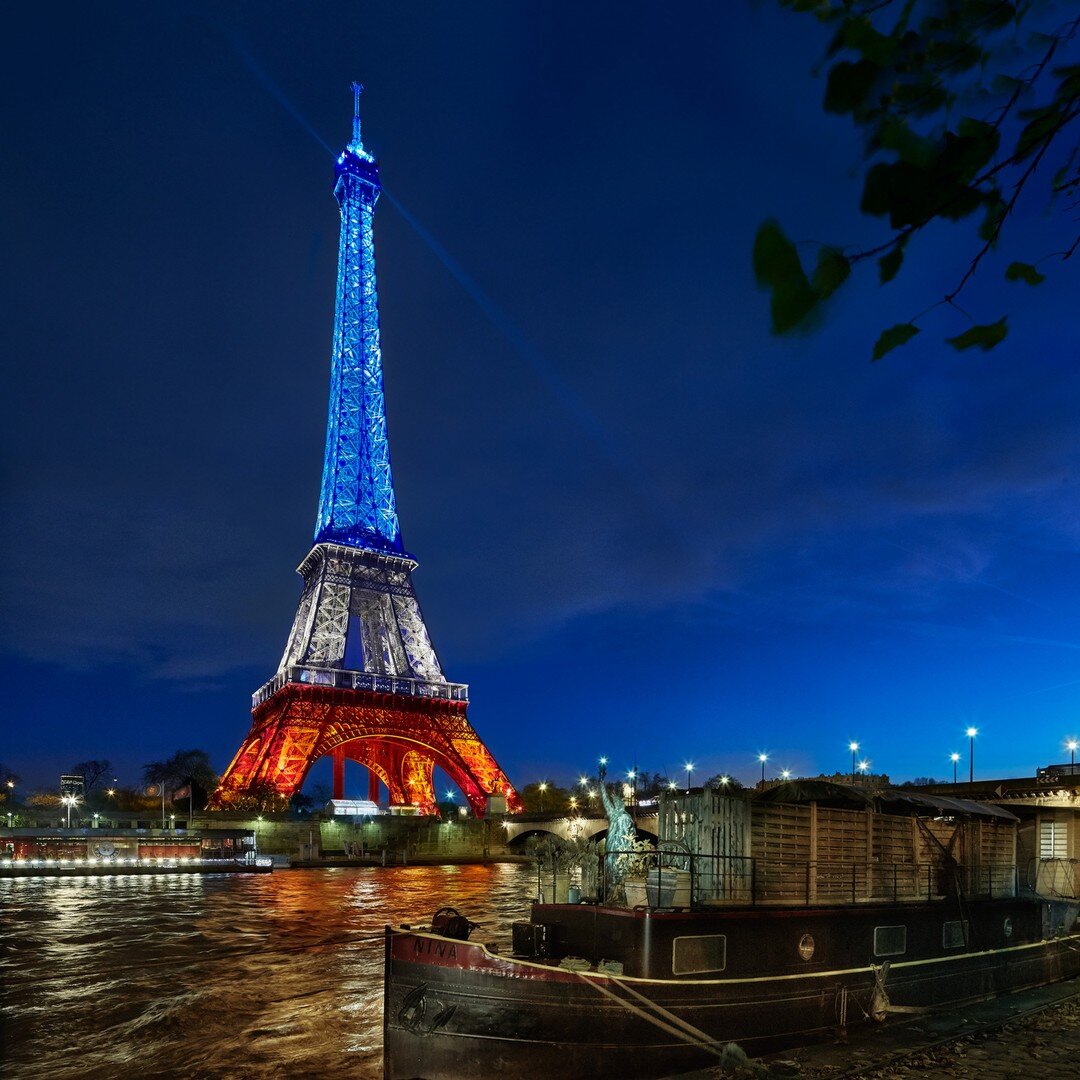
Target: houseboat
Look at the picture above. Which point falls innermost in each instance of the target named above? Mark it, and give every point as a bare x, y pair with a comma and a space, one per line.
765, 922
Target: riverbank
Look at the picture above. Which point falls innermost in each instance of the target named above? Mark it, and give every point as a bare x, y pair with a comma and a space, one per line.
397, 858
1034, 1033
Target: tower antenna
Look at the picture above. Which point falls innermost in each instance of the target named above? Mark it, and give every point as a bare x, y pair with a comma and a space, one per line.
357, 89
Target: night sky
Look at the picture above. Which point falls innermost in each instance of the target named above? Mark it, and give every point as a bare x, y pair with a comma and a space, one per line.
645, 527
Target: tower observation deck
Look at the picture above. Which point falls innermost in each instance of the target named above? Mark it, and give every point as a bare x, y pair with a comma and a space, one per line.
359, 678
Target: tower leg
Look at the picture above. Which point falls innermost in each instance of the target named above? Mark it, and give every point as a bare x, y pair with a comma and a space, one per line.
338, 757
372, 786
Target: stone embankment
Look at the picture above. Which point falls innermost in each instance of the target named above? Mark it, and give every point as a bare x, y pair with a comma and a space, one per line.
1033, 1035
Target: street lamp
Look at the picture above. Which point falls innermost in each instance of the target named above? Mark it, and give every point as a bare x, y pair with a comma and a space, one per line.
450, 796
583, 781
602, 771
689, 767
96, 816
725, 780
69, 801
785, 774
971, 733
763, 758
573, 802
111, 792
632, 777
954, 758
854, 748
543, 788
864, 767
1071, 746
672, 786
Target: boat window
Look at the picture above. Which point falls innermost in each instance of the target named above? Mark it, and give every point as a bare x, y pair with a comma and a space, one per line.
1053, 840
806, 946
694, 955
954, 934
890, 940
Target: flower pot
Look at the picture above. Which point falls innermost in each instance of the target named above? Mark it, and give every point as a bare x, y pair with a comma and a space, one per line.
636, 892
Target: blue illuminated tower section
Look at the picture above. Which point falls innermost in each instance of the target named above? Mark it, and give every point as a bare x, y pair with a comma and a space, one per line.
359, 678
357, 506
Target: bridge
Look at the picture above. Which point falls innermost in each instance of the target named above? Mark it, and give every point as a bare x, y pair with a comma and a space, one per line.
574, 826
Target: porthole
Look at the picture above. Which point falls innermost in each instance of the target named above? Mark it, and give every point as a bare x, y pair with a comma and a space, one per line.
1006, 927
806, 946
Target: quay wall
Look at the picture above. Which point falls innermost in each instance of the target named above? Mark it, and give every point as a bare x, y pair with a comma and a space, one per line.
315, 838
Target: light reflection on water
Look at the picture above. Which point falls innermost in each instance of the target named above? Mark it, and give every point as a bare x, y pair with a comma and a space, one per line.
246, 975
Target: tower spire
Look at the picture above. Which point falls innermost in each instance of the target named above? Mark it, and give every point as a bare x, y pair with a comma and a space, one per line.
357, 144
357, 506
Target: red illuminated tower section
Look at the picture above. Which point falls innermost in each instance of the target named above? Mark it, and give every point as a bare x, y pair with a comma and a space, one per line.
359, 678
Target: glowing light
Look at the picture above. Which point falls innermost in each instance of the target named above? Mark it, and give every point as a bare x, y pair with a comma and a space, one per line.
672, 785
725, 780
863, 766
450, 796
1072, 746
785, 774
583, 781
853, 747
954, 758
763, 758
603, 761
972, 732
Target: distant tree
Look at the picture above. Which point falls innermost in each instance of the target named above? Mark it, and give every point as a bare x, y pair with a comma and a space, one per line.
92, 772
9, 776
732, 784
922, 781
184, 767
320, 795
301, 803
962, 106
552, 800
262, 797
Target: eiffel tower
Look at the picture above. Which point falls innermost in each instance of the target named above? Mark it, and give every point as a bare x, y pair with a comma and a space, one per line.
359, 678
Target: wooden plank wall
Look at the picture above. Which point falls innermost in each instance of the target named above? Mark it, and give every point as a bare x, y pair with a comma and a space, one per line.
812, 853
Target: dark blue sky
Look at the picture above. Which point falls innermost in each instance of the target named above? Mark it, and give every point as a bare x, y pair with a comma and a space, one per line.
645, 527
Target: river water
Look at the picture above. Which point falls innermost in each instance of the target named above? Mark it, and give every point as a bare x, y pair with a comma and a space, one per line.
260, 975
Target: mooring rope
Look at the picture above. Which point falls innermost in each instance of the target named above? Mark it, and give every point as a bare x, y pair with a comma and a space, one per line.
679, 1028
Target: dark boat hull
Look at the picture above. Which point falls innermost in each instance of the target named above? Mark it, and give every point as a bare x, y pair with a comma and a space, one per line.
455, 1010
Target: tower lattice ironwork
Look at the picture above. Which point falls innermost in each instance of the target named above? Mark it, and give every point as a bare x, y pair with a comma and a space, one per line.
359, 678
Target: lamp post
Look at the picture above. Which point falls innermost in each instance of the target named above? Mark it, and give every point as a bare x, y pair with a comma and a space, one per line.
954, 758
632, 777
864, 767
785, 774
763, 758
854, 748
543, 788
724, 781
69, 802
602, 771
971, 733
1071, 746
689, 767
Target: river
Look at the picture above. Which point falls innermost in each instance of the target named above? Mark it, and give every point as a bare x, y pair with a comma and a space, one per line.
261, 975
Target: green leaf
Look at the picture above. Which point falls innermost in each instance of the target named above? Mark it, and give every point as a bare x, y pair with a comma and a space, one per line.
1019, 271
889, 265
859, 34
1041, 124
832, 270
849, 85
983, 337
777, 268
893, 338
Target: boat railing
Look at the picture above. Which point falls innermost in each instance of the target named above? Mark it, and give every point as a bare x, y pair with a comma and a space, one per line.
679, 879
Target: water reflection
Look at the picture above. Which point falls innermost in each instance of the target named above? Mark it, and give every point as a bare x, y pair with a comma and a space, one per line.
182, 975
